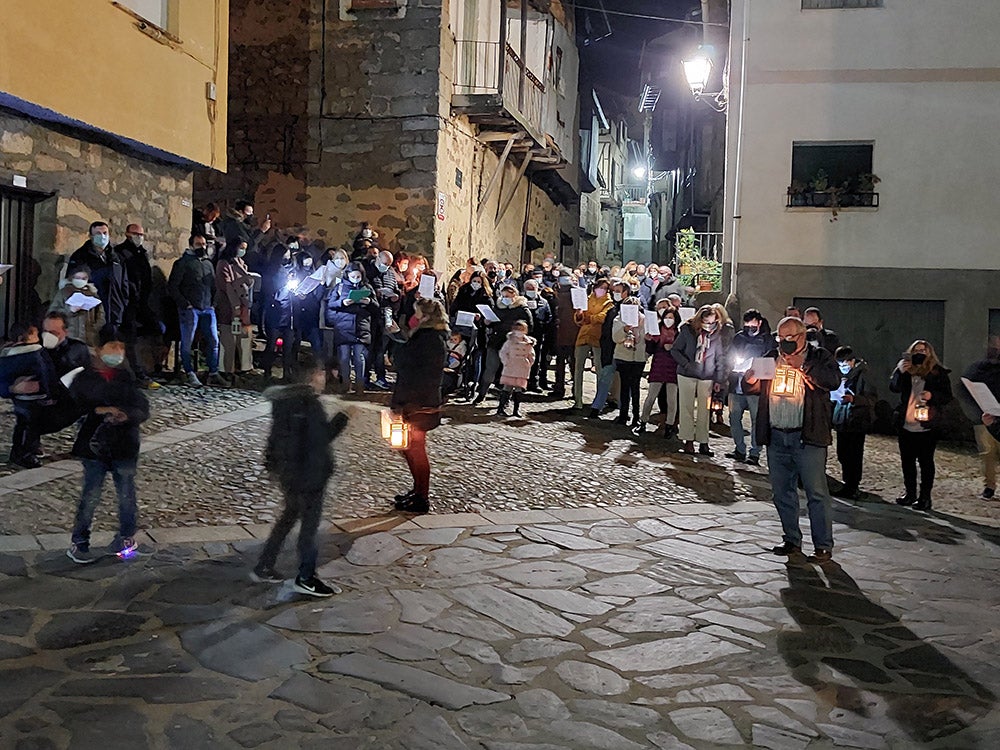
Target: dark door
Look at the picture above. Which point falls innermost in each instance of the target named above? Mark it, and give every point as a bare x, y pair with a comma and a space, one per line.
18, 298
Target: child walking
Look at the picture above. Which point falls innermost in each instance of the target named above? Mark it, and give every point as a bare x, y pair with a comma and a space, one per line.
517, 355
298, 457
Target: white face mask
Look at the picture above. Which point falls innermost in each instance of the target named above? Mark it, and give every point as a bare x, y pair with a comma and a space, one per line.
530, 293
476, 286
339, 262
136, 240
506, 301
618, 296
79, 283
355, 278
307, 262
49, 340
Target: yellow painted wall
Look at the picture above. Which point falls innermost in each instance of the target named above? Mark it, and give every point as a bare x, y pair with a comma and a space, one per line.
86, 59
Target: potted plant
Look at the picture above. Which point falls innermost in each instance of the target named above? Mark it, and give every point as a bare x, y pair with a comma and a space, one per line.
797, 193
694, 268
866, 188
819, 185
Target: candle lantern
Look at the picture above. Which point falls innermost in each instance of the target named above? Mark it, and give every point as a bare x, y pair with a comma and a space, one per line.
717, 403
395, 430
921, 412
787, 381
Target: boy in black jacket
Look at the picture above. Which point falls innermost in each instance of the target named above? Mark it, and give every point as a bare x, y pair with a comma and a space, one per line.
298, 457
108, 442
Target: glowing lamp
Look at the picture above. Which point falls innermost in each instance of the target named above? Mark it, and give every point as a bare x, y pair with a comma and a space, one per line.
787, 381
395, 430
697, 71
292, 285
922, 412
717, 403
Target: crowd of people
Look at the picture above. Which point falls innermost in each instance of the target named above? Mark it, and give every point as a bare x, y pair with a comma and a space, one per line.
487, 331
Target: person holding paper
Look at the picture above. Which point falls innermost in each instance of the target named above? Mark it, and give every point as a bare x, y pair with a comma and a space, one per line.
754, 340
232, 310
84, 324
588, 339
663, 369
476, 293
987, 372
349, 310
279, 318
106, 272
794, 424
853, 416
387, 296
308, 300
630, 358
566, 331
542, 319
511, 307
608, 380
701, 371
924, 388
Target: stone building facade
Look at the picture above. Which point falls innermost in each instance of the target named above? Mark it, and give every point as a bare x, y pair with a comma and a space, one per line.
347, 118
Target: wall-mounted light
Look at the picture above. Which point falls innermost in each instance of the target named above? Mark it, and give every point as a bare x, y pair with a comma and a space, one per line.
697, 72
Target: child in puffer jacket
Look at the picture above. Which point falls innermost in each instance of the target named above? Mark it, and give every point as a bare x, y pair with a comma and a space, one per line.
517, 356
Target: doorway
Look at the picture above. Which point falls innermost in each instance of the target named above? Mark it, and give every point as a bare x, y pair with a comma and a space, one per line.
18, 298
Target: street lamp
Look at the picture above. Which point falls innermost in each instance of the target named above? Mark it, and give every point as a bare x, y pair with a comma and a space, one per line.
639, 172
697, 71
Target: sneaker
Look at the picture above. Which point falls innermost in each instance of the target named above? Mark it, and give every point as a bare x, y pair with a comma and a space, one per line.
988, 493
906, 499
80, 555
217, 380
382, 385
737, 456
192, 380
753, 460
29, 461
265, 575
315, 587
148, 384
123, 548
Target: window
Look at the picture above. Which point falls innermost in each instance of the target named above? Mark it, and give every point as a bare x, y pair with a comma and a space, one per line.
832, 173
154, 11
836, 4
375, 4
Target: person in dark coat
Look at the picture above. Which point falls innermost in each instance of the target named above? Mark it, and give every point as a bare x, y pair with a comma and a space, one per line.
239, 227
567, 330
608, 381
278, 314
387, 297
701, 371
853, 417
794, 423
417, 396
108, 443
298, 457
192, 288
986, 371
924, 388
138, 313
817, 332
510, 307
541, 321
107, 273
349, 309
28, 378
308, 303
663, 370
754, 340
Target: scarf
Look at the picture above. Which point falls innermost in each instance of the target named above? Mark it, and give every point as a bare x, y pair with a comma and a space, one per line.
703, 344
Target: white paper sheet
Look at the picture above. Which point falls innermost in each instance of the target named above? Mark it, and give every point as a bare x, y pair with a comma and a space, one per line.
652, 324
307, 285
4, 268
983, 396
630, 315
69, 377
82, 301
742, 365
427, 286
465, 319
763, 368
488, 314
579, 297
686, 313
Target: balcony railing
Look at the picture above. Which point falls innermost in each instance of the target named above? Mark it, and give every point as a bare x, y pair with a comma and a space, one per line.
478, 71
635, 194
707, 244
828, 199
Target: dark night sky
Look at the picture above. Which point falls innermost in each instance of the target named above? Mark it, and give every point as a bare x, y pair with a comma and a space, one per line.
613, 62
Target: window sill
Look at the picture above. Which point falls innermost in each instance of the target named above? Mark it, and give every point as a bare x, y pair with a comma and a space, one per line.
147, 27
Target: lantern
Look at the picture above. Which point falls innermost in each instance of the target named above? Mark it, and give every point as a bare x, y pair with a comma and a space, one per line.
921, 412
395, 430
717, 403
787, 381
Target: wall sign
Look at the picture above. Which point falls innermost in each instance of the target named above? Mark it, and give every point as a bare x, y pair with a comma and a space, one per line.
442, 200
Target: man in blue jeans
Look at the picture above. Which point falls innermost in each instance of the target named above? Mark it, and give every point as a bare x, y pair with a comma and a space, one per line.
754, 340
108, 442
192, 287
794, 421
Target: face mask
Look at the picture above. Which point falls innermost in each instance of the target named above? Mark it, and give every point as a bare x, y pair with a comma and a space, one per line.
200, 251
670, 322
617, 296
506, 301
100, 240
49, 340
241, 252
752, 330
591, 270
112, 360
354, 278
600, 292
641, 277
339, 262
79, 283
918, 359
564, 280
476, 286
709, 327
845, 367
248, 212
307, 262
531, 294
293, 245
382, 267
136, 240
788, 347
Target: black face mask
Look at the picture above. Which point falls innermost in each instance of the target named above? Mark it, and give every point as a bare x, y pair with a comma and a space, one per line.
751, 330
918, 359
788, 347
200, 251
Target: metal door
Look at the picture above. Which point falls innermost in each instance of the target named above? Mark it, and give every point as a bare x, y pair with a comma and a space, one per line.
17, 223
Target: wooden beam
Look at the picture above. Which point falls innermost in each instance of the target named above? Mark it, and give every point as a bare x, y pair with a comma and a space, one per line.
500, 136
506, 204
496, 177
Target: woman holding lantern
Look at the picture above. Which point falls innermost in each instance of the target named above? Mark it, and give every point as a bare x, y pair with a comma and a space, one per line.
924, 388
416, 397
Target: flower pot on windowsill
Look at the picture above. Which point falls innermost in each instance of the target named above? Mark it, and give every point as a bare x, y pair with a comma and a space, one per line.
705, 286
819, 199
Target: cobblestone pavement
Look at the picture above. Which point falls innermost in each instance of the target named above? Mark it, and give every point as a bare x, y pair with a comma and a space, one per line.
647, 627
202, 466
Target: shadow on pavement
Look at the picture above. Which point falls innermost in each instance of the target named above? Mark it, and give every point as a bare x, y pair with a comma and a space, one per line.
925, 693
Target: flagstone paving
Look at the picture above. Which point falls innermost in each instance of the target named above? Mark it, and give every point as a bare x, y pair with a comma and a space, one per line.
677, 630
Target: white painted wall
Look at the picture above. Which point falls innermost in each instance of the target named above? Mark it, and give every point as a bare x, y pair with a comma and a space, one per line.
920, 78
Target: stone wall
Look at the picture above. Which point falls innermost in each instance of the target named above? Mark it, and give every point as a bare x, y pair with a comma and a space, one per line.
90, 182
